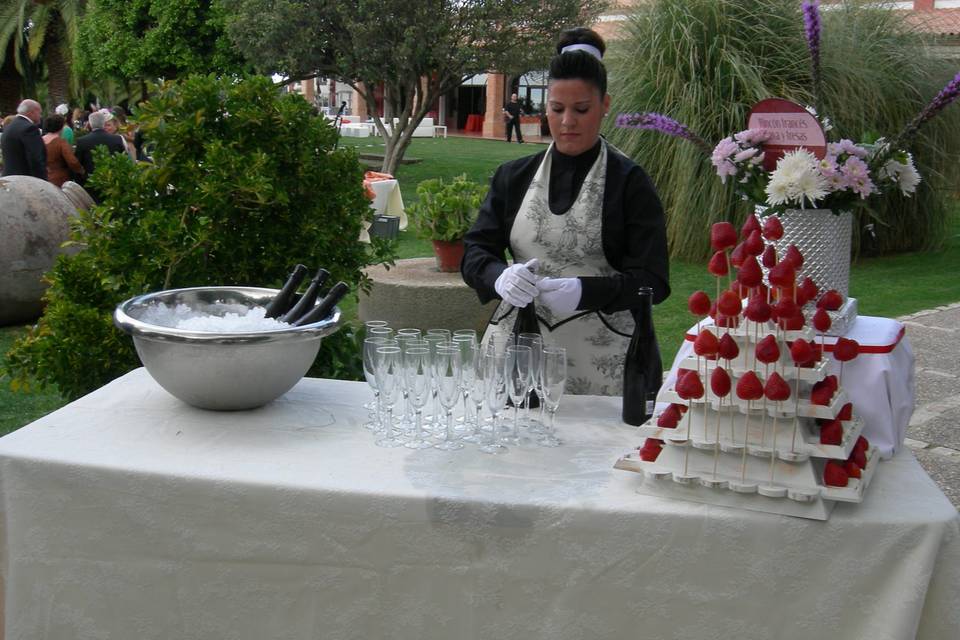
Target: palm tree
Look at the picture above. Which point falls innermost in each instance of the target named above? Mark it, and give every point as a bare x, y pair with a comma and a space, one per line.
35, 32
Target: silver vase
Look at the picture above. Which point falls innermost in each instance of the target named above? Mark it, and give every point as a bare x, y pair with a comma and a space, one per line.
824, 239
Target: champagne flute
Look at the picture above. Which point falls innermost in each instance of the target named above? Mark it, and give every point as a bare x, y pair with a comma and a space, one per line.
554, 380
369, 373
435, 340
467, 344
478, 393
495, 394
447, 371
535, 342
387, 368
416, 373
517, 374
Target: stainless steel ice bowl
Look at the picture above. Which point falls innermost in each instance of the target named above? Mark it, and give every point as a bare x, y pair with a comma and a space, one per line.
222, 371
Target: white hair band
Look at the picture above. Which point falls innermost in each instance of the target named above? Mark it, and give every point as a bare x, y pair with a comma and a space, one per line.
589, 48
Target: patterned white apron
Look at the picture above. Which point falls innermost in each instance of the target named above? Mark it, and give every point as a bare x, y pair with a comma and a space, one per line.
569, 245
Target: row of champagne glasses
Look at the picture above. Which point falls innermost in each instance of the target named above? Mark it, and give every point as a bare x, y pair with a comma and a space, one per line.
412, 369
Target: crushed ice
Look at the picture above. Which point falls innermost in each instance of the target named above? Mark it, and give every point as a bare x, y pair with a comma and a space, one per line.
235, 318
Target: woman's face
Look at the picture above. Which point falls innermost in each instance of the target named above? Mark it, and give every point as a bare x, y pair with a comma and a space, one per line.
110, 126
575, 110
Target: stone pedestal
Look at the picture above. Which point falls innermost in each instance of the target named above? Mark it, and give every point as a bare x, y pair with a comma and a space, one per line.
33, 225
415, 294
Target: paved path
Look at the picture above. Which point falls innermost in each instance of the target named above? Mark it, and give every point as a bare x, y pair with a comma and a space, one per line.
934, 431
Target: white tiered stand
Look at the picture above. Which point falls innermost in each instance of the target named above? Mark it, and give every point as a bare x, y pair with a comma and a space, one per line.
702, 459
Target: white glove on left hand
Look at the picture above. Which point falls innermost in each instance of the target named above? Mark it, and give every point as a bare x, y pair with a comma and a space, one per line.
560, 295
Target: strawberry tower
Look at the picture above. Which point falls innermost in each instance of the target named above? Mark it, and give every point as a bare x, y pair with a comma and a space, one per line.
753, 418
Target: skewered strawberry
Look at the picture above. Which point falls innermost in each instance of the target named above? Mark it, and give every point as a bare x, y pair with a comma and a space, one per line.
846, 413
698, 303
689, 387
769, 258
749, 226
749, 387
720, 382
767, 350
651, 449
846, 349
718, 264
821, 321
831, 432
801, 352
809, 288
852, 469
670, 417
772, 228
722, 236
737, 255
782, 275
794, 257
831, 300
834, 475
729, 304
757, 309
706, 344
728, 349
753, 245
776, 389
750, 274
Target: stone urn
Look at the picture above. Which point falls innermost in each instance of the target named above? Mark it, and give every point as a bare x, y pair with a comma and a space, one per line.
34, 218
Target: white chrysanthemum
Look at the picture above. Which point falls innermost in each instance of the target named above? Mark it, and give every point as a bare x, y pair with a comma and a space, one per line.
796, 179
905, 175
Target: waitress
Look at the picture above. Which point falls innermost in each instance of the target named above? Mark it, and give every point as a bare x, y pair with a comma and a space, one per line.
583, 225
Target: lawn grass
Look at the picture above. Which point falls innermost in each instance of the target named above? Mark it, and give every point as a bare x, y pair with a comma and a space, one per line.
889, 286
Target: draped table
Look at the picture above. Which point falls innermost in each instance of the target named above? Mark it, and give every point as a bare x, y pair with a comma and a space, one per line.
127, 514
385, 199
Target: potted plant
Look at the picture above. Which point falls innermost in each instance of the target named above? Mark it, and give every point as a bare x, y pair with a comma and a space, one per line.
444, 213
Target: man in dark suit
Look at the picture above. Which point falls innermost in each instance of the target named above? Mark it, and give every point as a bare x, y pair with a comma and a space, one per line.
24, 153
97, 138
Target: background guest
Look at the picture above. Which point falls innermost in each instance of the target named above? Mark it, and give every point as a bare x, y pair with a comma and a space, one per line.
60, 158
97, 138
22, 145
63, 110
113, 125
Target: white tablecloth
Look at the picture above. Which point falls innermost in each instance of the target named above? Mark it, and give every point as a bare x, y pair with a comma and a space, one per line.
129, 515
387, 200
879, 382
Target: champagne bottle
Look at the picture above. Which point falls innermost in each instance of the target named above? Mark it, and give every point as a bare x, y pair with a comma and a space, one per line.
308, 299
326, 305
526, 322
642, 368
281, 302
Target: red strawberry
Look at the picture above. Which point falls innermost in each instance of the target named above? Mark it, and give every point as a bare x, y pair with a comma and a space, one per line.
749, 225
834, 475
831, 382
713, 310
750, 273
728, 349
862, 444
698, 303
722, 236
749, 387
831, 300
679, 408
776, 389
821, 396
689, 386
706, 344
859, 458
846, 350
728, 322
650, 450
831, 432
768, 350
801, 351
792, 323
757, 309
809, 288
718, 264
670, 418
785, 308
782, 275
729, 304
852, 469
769, 258
821, 321
720, 382
793, 256
846, 413
753, 245
737, 255
772, 229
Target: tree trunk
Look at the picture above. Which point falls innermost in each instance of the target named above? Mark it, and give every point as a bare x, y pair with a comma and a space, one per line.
11, 84
58, 64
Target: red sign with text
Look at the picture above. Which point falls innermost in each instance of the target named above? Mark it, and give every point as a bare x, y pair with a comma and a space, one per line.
791, 127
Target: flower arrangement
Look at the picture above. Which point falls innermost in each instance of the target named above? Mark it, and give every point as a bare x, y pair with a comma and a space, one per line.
848, 175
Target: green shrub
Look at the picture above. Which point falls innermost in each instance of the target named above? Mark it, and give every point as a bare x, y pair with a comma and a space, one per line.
446, 210
244, 184
706, 62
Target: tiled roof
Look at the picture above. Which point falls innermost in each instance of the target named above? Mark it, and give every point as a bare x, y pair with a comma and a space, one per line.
944, 22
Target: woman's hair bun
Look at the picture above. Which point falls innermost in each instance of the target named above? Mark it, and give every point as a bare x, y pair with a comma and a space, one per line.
581, 35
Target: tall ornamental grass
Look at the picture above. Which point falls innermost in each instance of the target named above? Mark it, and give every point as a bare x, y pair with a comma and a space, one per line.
706, 62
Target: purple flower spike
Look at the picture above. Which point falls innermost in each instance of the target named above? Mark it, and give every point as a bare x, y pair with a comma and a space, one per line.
943, 100
811, 25
661, 123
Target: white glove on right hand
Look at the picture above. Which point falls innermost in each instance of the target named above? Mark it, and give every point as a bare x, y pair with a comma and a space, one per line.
517, 284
